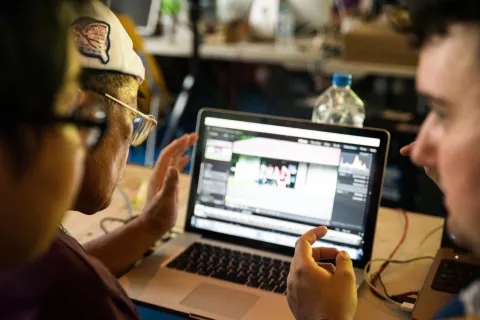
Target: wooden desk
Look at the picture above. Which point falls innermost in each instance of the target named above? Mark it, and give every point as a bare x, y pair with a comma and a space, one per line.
389, 229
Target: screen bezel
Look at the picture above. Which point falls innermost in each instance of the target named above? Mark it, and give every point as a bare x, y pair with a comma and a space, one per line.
148, 28
377, 181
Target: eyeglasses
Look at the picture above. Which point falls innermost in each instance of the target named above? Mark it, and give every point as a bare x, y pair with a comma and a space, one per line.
91, 122
142, 123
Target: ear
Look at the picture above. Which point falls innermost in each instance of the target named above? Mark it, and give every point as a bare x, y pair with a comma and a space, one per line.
90, 97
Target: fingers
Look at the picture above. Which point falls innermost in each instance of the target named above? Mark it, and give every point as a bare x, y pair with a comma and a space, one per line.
303, 248
179, 146
315, 234
406, 150
193, 138
190, 140
187, 141
171, 156
327, 266
169, 150
182, 162
324, 253
344, 266
175, 147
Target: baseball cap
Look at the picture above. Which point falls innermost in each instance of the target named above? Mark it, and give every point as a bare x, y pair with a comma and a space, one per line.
103, 42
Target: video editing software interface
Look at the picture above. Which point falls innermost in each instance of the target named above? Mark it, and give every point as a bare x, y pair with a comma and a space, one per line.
272, 183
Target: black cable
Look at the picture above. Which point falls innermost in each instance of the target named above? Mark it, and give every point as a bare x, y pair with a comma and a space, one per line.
401, 298
398, 298
383, 286
110, 219
403, 261
126, 199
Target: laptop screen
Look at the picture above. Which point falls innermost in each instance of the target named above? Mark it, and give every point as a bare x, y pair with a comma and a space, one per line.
273, 183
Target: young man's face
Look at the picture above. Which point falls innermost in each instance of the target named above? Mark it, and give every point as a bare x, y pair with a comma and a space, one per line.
449, 75
34, 203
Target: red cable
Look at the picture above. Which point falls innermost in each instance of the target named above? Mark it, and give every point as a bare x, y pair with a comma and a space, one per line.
402, 239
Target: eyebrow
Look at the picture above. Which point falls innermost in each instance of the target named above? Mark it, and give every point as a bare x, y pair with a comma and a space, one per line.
440, 102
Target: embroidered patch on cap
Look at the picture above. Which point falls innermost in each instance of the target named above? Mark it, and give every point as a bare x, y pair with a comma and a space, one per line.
92, 38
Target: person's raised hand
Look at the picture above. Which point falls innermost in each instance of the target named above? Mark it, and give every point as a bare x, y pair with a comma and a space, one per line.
172, 155
160, 213
431, 172
320, 291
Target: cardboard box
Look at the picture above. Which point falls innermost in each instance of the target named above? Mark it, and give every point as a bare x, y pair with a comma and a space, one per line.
377, 43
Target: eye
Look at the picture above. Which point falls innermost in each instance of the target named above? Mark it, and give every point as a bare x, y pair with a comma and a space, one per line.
441, 115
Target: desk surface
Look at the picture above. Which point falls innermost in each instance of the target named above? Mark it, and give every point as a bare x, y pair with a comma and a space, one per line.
390, 224
299, 58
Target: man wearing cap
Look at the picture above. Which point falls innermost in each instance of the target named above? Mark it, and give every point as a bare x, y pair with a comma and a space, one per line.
112, 75
68, 281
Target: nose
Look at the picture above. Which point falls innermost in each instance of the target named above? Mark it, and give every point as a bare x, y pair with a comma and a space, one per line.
424, 151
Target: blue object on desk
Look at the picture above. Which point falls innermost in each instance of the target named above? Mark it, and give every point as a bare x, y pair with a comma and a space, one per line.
152, 314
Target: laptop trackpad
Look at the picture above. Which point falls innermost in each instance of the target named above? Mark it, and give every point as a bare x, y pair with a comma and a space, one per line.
219, 300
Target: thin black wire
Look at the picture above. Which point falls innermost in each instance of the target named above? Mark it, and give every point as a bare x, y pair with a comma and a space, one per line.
128, 202
429, 234
109, 219
383, 286
399, 262
411, 260
403, 261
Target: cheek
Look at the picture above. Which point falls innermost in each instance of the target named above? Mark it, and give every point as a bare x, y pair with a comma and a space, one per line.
125, 145
122, 137
126, 130
67, 160
120, 133
459, 168
51, 186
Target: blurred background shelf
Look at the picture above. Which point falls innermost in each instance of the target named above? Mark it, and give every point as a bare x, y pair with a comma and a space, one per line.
268, 53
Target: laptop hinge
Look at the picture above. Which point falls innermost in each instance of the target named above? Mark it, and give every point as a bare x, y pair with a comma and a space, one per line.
197, 317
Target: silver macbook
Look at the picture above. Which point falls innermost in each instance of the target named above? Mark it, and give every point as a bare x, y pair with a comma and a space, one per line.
453, 269
257, 184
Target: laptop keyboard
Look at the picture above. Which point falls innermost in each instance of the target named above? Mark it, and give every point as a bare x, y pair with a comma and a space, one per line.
452, 276
234, 266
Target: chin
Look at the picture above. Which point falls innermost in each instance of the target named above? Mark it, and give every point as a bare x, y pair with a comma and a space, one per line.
93, 206
105, 204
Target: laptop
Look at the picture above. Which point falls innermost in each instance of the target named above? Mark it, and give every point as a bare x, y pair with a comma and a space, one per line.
453, 269
258, 183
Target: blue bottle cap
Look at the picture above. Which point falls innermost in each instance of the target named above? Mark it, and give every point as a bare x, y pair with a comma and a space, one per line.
342, 79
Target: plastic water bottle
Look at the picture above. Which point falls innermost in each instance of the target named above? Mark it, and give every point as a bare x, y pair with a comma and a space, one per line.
339, 104
285, 27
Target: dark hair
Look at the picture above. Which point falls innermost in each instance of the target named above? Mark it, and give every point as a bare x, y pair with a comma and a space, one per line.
432, 17
33, 60
117, 84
